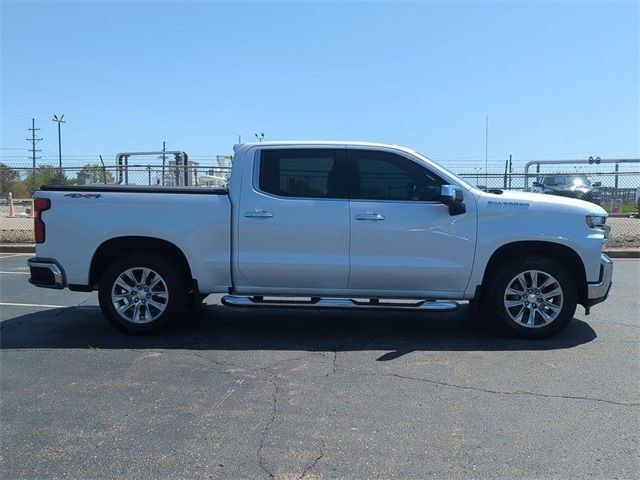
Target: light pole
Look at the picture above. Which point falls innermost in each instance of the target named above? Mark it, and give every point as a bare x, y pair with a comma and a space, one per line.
259, 137
59, 121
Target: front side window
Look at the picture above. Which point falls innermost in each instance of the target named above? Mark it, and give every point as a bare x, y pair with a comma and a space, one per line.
387, 176
311, 173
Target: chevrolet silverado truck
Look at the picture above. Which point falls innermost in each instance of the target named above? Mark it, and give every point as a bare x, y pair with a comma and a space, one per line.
349, 225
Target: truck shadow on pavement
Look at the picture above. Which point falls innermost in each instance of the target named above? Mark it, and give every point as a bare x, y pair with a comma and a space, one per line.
215, 327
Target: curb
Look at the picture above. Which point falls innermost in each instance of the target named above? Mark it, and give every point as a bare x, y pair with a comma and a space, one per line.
29, 248
17, 248
623, 253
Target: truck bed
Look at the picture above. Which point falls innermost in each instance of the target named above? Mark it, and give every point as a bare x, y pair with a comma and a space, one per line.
82, 218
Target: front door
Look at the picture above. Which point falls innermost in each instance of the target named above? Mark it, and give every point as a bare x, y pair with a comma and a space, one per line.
293, 223
403, 240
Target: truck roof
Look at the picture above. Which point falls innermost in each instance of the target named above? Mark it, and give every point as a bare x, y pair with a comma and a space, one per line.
275, 143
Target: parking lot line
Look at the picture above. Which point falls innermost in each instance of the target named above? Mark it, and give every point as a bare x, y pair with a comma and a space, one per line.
16, 273
6, 304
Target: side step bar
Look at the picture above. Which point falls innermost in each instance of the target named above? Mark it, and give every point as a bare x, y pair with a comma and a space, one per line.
257, 301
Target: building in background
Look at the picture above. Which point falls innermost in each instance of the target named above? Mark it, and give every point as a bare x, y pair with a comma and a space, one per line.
178, 175
216, 177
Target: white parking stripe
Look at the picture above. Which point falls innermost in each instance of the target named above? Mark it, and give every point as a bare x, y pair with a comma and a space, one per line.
31, 305
16, 273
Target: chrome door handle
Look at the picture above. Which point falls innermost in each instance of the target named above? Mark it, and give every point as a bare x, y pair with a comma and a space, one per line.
258, 214
376, 217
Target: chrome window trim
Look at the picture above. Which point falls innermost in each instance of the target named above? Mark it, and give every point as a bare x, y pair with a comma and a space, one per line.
255, 175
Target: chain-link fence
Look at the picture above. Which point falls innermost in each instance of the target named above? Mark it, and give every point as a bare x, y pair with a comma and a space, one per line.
616, 190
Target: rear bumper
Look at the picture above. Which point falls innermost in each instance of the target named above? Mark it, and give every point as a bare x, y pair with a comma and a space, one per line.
599, 291
46, 273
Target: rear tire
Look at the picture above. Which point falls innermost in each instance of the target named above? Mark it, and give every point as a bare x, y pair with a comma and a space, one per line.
142, 292
533, 297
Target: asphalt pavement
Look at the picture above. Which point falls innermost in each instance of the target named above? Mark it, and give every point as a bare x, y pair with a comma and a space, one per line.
239, 393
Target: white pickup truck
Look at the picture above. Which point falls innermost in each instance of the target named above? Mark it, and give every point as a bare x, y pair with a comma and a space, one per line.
325, 224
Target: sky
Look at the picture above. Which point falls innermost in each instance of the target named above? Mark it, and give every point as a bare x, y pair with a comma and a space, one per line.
556, 79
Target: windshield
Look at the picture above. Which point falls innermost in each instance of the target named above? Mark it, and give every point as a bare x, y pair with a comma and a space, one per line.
579, 180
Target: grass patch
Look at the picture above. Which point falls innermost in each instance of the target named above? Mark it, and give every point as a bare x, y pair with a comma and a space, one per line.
624, 208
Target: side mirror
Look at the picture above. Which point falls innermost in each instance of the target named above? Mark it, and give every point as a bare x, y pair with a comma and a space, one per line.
596, 184
453, 197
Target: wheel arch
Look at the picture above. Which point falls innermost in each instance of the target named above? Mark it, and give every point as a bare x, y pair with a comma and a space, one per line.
114, 247
563, 254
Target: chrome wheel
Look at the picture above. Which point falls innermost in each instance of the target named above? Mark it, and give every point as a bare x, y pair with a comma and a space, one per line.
533, 299
139, 295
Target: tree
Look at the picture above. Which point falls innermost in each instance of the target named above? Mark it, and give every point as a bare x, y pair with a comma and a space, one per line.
8, 178
46, 175
97, 174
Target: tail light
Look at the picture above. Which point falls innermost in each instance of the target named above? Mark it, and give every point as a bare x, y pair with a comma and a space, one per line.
39, 206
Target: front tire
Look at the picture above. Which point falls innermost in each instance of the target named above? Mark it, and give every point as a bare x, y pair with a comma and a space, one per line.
142, 292
532, 297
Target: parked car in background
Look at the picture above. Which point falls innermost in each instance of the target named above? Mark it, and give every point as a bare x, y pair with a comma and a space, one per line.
574, 186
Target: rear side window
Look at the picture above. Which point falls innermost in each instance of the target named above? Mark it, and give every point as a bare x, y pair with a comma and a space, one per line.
386, 176
311, 173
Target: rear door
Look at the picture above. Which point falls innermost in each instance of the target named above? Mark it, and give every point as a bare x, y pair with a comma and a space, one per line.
403, 240
293, 223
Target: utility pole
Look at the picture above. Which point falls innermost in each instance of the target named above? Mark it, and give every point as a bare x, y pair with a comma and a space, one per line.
59, 121
104, 171
506, 171
34, 140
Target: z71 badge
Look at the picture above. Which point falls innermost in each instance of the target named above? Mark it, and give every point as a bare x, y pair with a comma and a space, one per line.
83, 195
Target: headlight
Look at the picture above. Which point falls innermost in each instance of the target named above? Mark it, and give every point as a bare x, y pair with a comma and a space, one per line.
596, 221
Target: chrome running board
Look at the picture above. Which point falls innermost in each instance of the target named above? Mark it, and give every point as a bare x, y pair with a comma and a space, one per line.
257, 301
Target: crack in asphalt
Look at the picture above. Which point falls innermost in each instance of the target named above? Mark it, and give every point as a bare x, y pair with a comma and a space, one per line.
626, 325
315, 461
72, 307
266, 429
285, 360
502, 392
334, 363
208, 360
